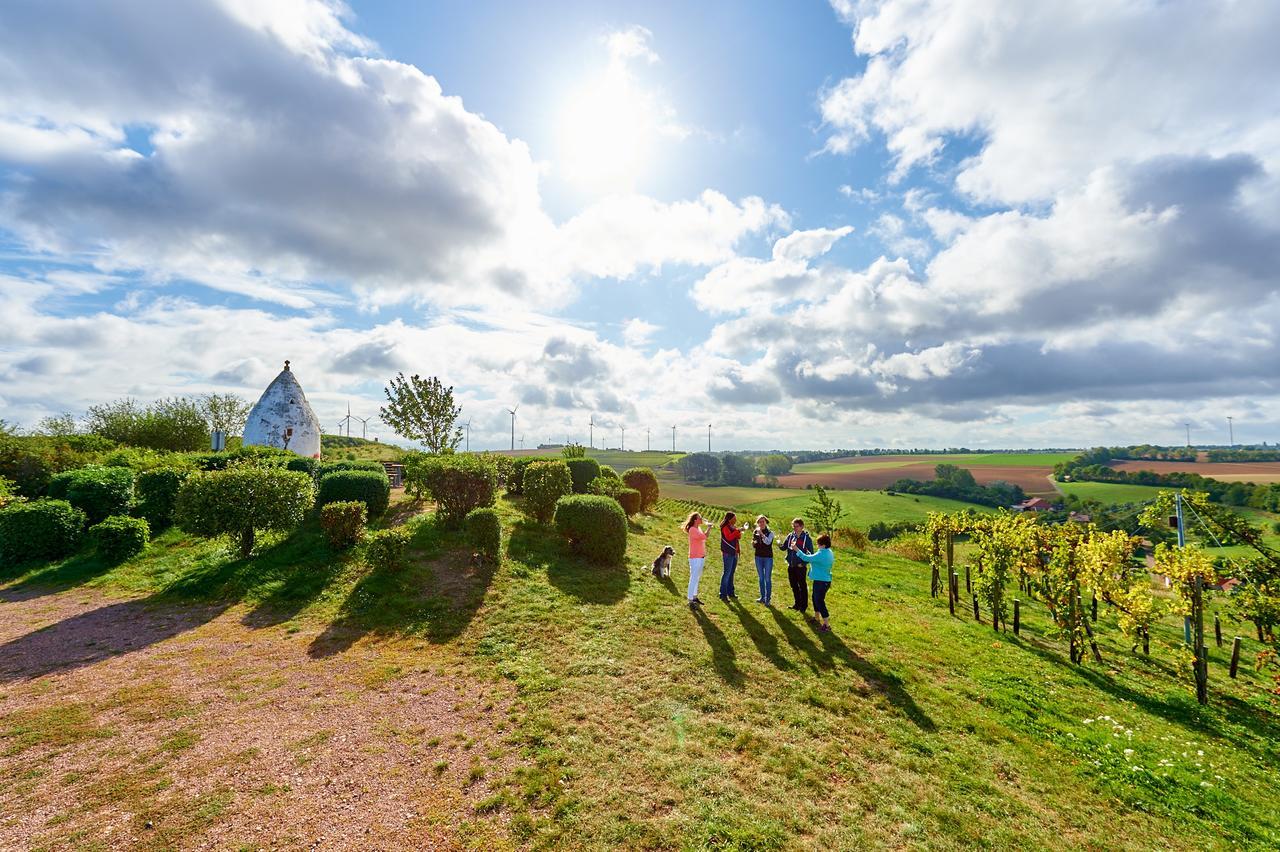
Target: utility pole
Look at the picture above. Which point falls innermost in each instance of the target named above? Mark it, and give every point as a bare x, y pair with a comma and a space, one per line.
1231, 430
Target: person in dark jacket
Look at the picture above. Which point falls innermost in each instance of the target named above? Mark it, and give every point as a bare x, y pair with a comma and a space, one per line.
762, 543
797, 540
730, 548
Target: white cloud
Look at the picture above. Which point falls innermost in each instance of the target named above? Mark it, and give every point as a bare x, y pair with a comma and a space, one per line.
638, 333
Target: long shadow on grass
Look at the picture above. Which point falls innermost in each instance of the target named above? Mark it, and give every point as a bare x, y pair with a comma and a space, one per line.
99, 634
436, 595
49, 577
539, 547
766, 643
723, 657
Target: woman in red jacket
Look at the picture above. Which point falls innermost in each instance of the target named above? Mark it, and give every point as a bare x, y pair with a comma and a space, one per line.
730, 548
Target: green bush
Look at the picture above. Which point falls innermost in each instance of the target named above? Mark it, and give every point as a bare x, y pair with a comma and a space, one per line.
484, 531
157, 495
386, 548
643, 480
97, 491
515, 479
120, 537
583, 471
8, 492
241, 500
609, 473
595, 526
44, 529
629, 500
545, 482
343, 523
502, 465
140, 458
324, 468
458, 483
371, 488
252, 455
30, 460
303, 465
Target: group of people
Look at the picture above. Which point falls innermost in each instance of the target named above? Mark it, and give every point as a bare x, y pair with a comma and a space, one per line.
804, 563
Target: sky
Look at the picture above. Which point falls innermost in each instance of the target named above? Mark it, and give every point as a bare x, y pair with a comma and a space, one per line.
869, 223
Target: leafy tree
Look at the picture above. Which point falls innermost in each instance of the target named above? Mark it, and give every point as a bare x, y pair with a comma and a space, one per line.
700, 467
225, 412
58, 425
423, 410
544, 483
573, 451
175, 424
737, 470
956, 477
774, 464
823, 511
239, 501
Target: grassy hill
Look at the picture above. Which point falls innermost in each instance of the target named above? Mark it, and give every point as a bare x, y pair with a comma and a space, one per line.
635, 722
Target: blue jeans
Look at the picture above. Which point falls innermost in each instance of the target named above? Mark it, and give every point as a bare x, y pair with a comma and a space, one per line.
726, 579
820, 588
764, 572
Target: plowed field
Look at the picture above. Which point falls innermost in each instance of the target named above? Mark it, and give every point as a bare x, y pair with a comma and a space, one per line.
1263, 472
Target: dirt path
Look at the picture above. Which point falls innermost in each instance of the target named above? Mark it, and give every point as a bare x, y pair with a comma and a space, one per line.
126, 725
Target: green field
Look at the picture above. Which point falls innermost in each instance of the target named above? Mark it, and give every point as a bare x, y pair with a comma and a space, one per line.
626, 720
960, 459
1110, 493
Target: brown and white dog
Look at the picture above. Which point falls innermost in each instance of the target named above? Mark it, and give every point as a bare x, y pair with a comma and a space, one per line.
662, 565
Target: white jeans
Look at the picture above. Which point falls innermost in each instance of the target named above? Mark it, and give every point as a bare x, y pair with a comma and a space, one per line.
695, 574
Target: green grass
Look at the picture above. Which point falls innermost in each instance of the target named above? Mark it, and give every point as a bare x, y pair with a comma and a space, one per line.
1110, 493
862, 508
960, 459
642, 724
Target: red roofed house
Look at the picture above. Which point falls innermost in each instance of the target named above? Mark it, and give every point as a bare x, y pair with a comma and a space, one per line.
1035, 504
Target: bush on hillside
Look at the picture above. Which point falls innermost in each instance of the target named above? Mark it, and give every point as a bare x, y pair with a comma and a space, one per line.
609, 473
582, 472
458, 483
913, 546
253, 456
97, 491
515, 480
141, 458
369, 487
8, 493
594, 526
645, 481
324, 468
852, 537
629, 499
545, 482
157, 495
885, 530
484, 531
120, 537
30, 460
385, 550
240, 501
43, 529
502, 466
302, 464
343, 523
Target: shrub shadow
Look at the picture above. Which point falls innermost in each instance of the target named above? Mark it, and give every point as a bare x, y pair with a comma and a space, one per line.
539, 547
53, 576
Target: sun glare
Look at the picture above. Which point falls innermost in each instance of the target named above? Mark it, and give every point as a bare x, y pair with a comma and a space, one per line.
606, 131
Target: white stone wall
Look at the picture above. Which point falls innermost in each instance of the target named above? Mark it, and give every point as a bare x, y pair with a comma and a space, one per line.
282, 406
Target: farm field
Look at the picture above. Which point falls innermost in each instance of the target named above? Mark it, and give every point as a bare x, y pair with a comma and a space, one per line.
187, 698
1033, 480
1260, 472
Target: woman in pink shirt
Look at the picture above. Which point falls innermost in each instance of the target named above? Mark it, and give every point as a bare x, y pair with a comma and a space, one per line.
696, 528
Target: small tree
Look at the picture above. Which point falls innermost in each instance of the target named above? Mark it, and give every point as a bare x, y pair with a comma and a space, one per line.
58, 426
545, 482
737, 470
225, 412
774, 464
239, 501
700, 467
423, 410
823, 511
573, 451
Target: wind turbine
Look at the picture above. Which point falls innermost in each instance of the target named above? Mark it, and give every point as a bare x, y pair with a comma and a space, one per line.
591, 435
1188, 425
522, 442
646, 439
624, 439
708, 437
346, 420
364, 427
467, 426
673, 439
1231, 429
512, 412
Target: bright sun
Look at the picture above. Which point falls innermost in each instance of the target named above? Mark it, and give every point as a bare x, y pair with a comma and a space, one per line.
606, 131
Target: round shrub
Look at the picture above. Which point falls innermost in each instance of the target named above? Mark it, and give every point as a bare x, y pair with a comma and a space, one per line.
302, 464
595, 527
343, 523
609, 473
484, 531
643, 480
385, 549
369, 487
583, 471
515, 479
323, 468
241, 500
157, 495
605, 487
458, 483
120, 537
96, 491
43, 529
545, 482
629, 500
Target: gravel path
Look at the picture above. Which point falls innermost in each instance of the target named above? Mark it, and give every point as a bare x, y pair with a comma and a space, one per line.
130, 725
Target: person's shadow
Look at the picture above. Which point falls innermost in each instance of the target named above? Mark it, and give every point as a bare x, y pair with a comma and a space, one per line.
877, 679
723, 657
766, 643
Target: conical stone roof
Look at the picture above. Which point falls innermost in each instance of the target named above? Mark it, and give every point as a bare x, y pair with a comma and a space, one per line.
283, 418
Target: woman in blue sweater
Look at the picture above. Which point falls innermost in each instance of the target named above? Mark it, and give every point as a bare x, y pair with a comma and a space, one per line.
820, 565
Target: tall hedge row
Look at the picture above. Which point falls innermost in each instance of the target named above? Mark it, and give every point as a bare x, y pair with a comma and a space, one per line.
369, 487
43, 529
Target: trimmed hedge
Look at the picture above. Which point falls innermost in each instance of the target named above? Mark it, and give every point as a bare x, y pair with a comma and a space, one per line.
343, 523
629, 500
241, 500
43, 529
515, 479
99, 492
372, 489
458, 482
120, 537
303, 465
252, 455
583, 471
157, 495
609, 473
645, 481
323, 468
595, 526
386, 548
484, 531
545, 482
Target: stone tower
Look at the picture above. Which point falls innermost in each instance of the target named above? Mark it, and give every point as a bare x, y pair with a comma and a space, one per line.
283, 418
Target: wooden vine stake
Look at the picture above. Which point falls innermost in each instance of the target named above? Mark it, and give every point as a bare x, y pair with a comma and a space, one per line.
1217, 629
1235, 656
1017, 617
